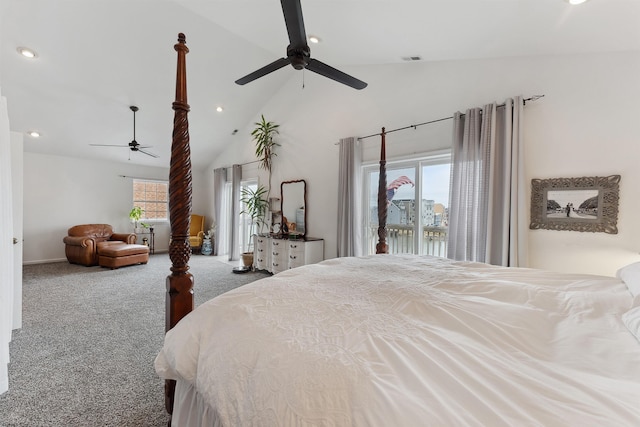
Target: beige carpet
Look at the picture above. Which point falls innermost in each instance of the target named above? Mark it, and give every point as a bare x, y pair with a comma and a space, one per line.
84, 356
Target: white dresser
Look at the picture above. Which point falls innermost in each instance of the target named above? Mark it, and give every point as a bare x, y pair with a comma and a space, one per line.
276, 255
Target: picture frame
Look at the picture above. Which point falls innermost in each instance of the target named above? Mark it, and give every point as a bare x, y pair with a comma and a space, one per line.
588, 204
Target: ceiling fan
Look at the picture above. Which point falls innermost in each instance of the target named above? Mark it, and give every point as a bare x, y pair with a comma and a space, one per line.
133, 145
298, 52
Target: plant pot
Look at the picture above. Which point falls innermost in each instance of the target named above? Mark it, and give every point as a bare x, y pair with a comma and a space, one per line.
247, 259
207, 248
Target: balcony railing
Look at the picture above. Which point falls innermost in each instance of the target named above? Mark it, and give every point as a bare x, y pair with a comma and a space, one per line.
400, 239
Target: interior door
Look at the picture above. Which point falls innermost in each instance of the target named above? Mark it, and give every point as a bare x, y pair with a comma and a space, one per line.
17, 161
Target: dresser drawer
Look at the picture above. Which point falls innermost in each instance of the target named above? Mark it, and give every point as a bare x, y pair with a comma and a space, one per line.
261, 258
276, 255
296, 258
279, 252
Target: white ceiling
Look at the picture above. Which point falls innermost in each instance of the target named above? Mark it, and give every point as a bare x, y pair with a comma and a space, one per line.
98, 57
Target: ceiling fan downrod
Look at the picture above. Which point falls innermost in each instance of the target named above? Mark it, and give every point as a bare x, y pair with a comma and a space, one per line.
134, 109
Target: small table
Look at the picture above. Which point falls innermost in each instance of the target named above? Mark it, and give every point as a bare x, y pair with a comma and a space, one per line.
152, 240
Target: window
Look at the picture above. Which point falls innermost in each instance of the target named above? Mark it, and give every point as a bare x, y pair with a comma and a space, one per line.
418, 205
246, 229
152, 197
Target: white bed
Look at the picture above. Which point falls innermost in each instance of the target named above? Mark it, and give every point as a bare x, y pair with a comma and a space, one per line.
401, 340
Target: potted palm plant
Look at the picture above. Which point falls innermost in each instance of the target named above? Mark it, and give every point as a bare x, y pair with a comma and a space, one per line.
263, 135
255, 206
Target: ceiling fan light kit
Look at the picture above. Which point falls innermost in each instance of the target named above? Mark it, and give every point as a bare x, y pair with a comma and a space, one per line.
298, 52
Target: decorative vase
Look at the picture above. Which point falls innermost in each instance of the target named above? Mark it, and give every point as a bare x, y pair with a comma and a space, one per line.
206, 247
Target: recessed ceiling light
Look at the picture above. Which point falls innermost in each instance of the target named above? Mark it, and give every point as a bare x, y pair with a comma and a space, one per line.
27, 53
219, 109
574, 2
34, 134
314, 39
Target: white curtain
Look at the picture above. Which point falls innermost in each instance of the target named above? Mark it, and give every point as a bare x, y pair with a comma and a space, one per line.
350, 198
6, 246
219, 181
487, 209
234, 231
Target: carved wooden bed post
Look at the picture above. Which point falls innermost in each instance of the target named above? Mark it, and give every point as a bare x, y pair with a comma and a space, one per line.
381, 246
179, 300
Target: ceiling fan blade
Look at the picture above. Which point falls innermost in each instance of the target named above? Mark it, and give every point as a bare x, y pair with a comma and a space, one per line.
294, 21
107, 145
337, 75
147, 153
275, 65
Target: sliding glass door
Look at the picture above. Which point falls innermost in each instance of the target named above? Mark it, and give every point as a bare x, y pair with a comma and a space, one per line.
417, 205
245, 228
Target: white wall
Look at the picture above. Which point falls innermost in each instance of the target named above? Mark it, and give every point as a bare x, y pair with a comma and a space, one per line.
60, 192
583, 127
586, 128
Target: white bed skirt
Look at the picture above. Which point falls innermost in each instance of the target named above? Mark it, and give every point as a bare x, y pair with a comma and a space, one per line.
190, 409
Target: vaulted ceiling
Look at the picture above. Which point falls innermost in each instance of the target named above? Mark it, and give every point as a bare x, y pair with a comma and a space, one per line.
96, 58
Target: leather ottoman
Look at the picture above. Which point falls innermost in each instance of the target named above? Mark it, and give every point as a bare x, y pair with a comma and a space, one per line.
120, 255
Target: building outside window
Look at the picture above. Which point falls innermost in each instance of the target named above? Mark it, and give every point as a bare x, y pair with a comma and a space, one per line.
417, 205
153, 198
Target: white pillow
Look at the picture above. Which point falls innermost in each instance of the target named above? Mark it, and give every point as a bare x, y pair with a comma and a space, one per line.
631, 320
630, 275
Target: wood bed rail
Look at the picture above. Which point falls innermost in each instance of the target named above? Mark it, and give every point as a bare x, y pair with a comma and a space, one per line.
179, 299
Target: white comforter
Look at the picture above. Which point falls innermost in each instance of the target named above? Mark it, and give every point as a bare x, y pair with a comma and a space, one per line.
411, 341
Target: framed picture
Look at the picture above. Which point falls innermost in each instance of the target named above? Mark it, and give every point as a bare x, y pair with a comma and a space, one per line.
576, 204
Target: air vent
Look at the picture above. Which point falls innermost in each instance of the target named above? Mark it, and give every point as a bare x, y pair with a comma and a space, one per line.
411, 58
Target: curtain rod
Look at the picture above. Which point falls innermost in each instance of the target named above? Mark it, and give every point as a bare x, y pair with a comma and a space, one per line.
248, 163
239, 164
524, 102
144, 179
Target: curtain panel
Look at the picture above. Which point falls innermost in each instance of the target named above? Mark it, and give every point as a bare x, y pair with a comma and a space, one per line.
350, 198
234, 231
219, 181
6, 248
487, 212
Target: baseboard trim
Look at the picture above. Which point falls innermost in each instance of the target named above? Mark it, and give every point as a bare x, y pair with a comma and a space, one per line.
49, 261
44, 261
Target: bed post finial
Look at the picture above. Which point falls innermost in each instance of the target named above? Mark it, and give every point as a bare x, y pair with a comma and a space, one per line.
179, 300
381, 246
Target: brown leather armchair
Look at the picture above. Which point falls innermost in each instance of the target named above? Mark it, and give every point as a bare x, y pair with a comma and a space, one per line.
196, 231
81, 242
